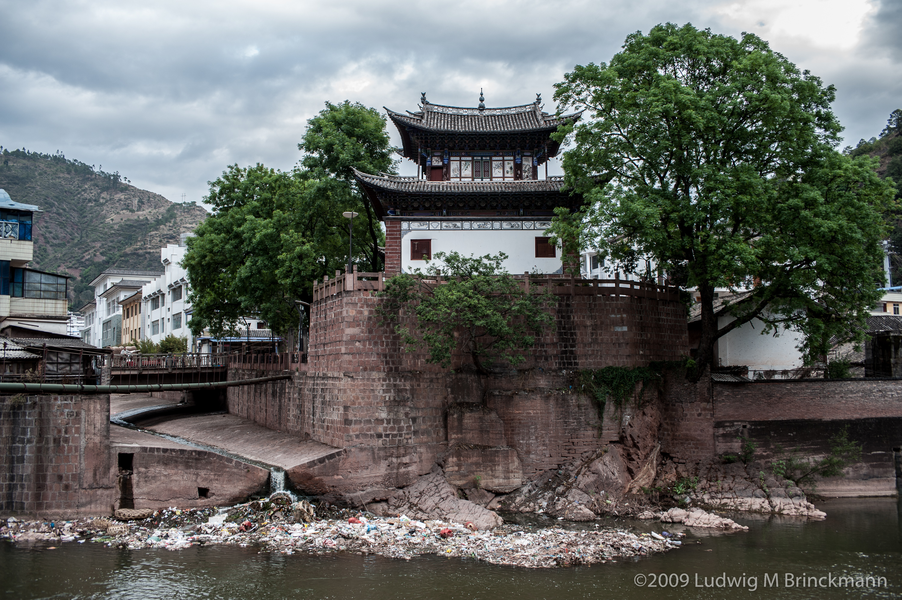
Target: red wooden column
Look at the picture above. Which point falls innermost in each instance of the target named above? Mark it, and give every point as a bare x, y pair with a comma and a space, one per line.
392, 248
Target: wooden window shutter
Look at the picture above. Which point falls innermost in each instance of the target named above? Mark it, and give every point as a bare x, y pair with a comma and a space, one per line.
544, 248
420, 249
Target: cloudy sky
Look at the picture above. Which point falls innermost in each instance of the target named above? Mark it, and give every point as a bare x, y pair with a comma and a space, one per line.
168, 93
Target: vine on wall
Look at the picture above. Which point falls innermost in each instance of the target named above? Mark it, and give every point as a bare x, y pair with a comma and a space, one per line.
615, 383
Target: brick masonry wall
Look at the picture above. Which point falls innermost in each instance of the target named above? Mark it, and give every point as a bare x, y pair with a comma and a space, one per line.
801, 417
590, 332
55, 458
817, 399
392, 247
176, 477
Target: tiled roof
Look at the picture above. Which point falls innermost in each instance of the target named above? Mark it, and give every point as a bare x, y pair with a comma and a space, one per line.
435, 117
11, 350
415, 185
69, 343
885, 324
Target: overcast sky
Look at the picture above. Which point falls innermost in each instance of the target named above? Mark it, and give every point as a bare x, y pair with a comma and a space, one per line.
168, 93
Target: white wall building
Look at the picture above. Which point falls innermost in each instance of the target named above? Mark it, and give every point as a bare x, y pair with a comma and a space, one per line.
166, 310
103, 320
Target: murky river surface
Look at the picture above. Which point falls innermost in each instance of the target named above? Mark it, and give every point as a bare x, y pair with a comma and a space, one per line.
777, 558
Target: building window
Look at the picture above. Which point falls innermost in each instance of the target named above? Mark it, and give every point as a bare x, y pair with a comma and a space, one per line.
597, 261
155, 328
155, 303
420, 249
176, 321
544, 248
176, 293
895, 309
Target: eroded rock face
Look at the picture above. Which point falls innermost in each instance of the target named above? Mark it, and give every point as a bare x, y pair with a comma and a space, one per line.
432, 497
737, 486
696, 517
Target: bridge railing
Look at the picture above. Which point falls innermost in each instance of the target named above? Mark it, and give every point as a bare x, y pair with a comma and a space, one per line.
150, 362
286, 361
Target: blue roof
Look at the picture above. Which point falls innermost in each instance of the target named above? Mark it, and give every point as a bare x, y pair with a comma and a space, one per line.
7, 202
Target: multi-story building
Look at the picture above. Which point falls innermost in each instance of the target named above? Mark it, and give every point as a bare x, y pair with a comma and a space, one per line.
478, 191
165, 307
32, 303
103, 320
132, 324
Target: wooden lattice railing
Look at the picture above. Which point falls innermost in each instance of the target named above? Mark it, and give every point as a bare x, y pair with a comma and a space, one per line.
560, 285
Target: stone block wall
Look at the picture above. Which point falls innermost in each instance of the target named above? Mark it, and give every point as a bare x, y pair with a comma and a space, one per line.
799, 417
162, 477
591, 331
55, 457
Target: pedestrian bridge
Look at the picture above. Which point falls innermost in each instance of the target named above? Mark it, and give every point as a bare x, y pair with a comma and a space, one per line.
150, 369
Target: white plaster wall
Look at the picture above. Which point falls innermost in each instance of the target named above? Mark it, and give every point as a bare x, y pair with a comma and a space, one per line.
171, 257
17, 252
519, 245
747, 347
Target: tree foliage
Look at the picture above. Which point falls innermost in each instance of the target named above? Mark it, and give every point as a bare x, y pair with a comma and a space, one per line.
341, 138
173, 345
714, 157
273, 233
469, 304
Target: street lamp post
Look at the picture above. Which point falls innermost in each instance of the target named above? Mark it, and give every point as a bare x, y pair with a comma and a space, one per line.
350, 217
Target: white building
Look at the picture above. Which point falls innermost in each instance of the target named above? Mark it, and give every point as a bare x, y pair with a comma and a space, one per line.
166, 310
103, 316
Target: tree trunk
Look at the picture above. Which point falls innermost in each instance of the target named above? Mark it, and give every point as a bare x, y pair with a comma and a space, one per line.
705, 352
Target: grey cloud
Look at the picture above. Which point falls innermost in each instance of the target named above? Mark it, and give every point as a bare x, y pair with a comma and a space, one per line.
168, 94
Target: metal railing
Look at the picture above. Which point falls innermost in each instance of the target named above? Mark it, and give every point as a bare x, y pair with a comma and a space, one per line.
152, 362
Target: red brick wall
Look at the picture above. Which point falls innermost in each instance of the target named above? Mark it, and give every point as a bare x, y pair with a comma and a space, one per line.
590, 332
392, 248
807, 399
55, 455
688, 421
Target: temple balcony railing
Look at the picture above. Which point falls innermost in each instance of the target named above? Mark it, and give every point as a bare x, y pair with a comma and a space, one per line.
560, 285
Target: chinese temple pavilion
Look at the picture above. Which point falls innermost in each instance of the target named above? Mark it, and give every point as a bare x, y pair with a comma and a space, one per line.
478, 189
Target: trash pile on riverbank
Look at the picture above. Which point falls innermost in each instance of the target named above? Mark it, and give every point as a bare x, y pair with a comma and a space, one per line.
278, 524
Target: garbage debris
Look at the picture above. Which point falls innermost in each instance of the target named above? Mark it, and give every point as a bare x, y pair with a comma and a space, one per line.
277, 524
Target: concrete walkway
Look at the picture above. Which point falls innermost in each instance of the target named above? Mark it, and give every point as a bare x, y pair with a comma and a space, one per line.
229, 433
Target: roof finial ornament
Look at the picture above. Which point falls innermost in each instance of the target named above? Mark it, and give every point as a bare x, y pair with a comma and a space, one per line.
481, 100
423, 98
538, 98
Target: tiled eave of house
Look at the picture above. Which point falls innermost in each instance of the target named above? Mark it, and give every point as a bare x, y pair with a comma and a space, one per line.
391, 195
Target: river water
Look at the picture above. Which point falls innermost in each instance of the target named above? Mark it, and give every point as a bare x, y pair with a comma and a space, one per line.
776, 558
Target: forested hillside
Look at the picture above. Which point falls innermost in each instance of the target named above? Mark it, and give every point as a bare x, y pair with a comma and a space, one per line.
888, 149
91, 220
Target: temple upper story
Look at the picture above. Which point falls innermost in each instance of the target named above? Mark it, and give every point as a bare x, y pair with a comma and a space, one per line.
450, 143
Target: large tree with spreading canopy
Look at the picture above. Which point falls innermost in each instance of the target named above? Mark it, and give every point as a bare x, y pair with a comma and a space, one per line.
273, 233
714, 157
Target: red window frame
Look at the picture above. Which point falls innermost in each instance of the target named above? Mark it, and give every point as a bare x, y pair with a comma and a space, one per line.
420, 249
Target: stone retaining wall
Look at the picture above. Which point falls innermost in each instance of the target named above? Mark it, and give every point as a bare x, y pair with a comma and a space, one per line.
55, 455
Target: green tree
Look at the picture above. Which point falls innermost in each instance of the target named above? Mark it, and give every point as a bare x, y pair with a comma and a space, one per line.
714, 157
270, 236
273, 233
173, 345
893, 124
341, 138
467, 303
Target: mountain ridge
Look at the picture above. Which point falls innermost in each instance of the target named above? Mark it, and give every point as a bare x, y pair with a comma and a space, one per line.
91, 220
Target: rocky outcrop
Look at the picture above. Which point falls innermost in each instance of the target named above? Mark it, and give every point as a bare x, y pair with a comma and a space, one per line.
738, 486
696, 517
432, 497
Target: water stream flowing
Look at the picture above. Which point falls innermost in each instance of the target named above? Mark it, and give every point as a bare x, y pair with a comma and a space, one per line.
779, 557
